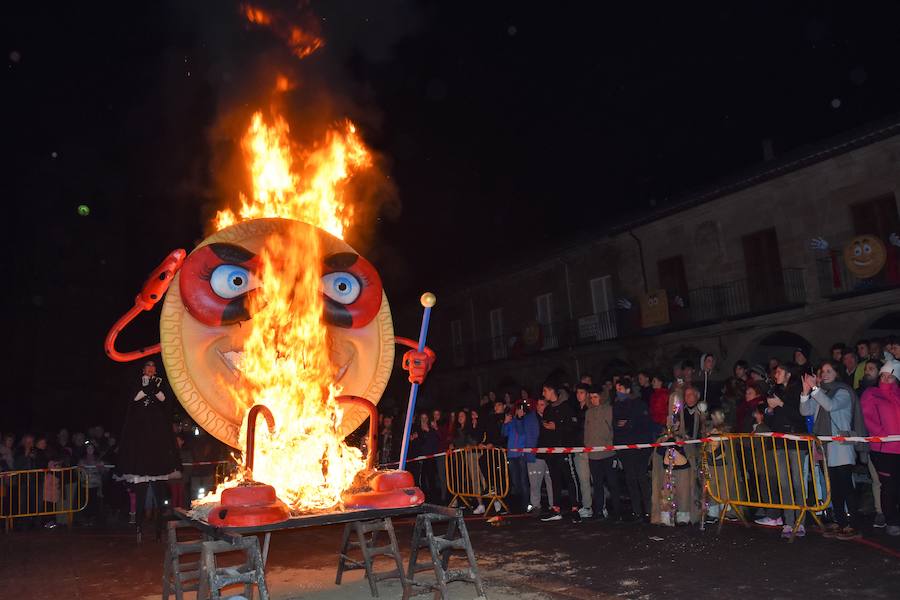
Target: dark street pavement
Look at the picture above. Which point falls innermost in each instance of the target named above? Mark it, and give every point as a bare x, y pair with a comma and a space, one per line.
522, 558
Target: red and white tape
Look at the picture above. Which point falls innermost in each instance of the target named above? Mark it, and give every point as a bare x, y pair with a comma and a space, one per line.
582, 449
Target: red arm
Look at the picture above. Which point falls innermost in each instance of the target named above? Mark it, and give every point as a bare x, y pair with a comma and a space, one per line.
417, 363
152, 292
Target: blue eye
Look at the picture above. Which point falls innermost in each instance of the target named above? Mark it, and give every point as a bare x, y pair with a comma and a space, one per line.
341, 287
230, 281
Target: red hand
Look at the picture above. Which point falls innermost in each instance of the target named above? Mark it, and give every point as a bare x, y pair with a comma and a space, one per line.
158, 281
418, 364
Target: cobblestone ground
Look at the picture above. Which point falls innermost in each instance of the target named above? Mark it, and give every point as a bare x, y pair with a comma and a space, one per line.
522, 559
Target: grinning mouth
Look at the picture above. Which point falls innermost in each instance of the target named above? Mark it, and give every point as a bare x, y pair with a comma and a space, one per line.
233, 358
861, 263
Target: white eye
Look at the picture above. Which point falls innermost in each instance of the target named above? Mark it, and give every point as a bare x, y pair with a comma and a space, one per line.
231, 281
857, 251
867, 249
341, 287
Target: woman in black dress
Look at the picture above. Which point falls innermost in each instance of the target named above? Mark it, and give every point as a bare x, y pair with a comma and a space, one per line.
148, 455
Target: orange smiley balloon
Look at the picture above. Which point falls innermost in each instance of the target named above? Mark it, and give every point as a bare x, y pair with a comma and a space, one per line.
865, 256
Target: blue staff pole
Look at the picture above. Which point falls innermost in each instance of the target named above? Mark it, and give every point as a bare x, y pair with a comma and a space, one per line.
428, 300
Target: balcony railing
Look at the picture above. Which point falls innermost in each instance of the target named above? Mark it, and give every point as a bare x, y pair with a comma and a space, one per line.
743, 298
710, 304
836, 280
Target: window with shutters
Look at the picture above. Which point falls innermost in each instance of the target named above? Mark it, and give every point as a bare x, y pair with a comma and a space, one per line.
672, 276
602, 300
877, 216
544, 310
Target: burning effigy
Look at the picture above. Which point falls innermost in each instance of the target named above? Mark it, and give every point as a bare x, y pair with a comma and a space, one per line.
275, 314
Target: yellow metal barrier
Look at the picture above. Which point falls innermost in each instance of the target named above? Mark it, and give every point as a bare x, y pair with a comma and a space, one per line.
756, 471
40, 492
478, 473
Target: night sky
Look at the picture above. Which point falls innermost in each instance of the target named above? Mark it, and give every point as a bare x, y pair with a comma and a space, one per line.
502, 129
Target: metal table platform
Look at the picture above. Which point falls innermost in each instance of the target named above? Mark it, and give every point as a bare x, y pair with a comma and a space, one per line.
233, 534
244, 538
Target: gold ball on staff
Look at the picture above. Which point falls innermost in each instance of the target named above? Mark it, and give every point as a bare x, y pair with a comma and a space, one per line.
428, 299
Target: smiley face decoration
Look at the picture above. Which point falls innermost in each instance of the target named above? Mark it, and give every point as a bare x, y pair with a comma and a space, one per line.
865, 256
274, 309
655, 309
206, 320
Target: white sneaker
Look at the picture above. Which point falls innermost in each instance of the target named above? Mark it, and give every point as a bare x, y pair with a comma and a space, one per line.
479, 510
770, 522
497, 506
801, 531
529, 509
585, 512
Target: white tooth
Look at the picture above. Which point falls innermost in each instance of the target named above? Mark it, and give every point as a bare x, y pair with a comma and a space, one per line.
341, 372
236, 358
230, 358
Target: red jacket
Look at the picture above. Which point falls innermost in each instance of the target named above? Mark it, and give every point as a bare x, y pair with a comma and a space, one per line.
881, 411
659, 406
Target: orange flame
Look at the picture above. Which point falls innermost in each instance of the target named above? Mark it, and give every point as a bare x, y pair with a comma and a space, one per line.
283, 84
285, 361
302, 42
256, 15
278, 190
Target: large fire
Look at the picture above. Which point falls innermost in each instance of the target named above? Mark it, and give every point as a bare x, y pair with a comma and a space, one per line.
314, 193
285, 362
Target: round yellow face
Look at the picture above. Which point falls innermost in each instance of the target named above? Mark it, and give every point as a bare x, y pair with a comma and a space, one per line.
865, 256
202, 334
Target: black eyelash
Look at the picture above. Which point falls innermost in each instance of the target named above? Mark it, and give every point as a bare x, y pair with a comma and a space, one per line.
207, 272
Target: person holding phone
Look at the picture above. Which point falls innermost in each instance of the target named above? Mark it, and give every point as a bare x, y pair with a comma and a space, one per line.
783, 416
560, 424
831, 402
521, 431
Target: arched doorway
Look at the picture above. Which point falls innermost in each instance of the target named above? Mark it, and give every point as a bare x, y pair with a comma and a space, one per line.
885, 325
616, 366
558, 376
780, 345
508, 385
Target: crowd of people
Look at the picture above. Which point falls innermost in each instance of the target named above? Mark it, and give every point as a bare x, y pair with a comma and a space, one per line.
96, 451
852, 392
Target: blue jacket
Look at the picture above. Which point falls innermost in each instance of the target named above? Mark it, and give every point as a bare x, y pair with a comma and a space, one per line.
522, 433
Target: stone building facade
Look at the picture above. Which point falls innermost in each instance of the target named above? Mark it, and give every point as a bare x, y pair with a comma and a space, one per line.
730, 271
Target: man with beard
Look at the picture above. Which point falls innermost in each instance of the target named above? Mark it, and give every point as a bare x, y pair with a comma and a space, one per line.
853, 370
